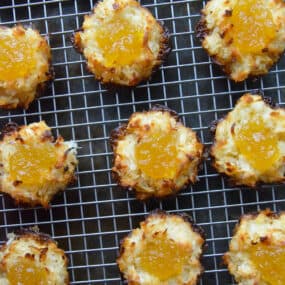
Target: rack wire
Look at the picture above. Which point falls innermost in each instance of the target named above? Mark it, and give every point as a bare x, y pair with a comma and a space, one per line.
90, 218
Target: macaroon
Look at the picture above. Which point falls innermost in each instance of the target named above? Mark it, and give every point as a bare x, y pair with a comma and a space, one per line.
155, 155
122, 42
165, 249
257, 252
32, 258
245, 37
25, 66
249, 142
34, 166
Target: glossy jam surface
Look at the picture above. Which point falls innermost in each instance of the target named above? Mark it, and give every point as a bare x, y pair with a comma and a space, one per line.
26, 272
269, 261
163, 258
253, 26
256, 142
156, 155
17, 58
32, 163
120, 41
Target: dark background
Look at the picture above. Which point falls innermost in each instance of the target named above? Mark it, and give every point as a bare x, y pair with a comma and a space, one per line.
89, 219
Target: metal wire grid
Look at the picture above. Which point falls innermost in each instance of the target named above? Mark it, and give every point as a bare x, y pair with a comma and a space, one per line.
89, 219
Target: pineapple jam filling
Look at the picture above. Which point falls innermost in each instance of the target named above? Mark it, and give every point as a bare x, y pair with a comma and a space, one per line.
26, 272
269, 260
257, 143
17, 58
32, 163
120, 40
163, 258
156, 155
252, 26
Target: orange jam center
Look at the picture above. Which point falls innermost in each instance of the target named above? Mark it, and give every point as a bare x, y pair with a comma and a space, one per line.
17, 58
26, 272
156, 155
257, 143
32, 163
269, 261
163, 258
253, 26
120, 41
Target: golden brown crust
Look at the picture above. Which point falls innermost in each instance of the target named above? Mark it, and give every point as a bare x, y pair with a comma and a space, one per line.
22, 91
130, 177
228, 160
58, 178
141, 69
239, 66
30, 244
177, 227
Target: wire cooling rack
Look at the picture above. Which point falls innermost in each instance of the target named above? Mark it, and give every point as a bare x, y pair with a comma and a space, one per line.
89, 219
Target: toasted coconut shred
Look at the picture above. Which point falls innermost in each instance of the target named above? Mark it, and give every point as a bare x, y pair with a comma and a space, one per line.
122, 42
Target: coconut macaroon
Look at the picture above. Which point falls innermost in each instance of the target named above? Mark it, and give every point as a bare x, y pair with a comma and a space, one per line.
165, 249
24, 66
249, 144
122, 42
33, 165
32, 258
155, 154
245, 37
257, 251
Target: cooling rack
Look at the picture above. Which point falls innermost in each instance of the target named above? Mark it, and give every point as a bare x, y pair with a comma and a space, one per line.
89, 219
